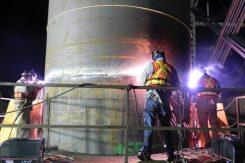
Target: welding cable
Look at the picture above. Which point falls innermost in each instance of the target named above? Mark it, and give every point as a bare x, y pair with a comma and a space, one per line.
174, 123
23, 108
180, 115
232, 125
182, 99
14, 123
138, 121
136, 109
185, 98
225, 108
228, 106
233, 100
181, 107
123, 6
55, 157
159, 136
81, 85
30, 106
131, 86
158, 131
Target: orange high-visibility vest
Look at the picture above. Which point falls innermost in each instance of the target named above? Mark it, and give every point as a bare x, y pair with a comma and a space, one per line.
208, 82
161, 75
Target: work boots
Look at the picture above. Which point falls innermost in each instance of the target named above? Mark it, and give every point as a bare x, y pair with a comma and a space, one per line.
143, 156
171, 158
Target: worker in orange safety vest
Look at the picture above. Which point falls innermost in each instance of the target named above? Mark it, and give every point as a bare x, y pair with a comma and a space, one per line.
206, 104
157, 101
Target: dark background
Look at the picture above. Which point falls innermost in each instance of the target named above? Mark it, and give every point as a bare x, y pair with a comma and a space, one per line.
22, 39
232, 73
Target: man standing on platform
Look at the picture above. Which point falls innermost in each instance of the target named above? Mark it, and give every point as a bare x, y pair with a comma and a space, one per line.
206, 104
23, 97
158, 73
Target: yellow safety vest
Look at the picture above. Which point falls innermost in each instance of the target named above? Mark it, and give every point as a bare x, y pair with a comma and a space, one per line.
161, 75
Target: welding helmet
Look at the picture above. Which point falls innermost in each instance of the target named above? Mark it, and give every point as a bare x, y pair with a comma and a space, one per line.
202, 70
33, 75
26, 74
158, 55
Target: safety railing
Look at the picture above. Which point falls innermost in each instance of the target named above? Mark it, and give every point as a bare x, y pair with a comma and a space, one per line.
239, 123
125, 127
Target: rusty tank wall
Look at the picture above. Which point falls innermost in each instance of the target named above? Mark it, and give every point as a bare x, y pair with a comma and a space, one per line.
106, 42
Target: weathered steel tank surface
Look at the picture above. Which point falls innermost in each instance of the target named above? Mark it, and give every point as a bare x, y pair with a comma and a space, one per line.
107, 42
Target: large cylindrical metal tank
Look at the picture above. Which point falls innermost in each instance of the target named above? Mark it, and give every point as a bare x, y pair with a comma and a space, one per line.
107, 42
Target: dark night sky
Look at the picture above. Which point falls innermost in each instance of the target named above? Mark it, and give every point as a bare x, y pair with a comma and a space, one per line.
22, 38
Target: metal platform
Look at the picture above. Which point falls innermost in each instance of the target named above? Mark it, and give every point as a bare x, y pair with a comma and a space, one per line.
186, 155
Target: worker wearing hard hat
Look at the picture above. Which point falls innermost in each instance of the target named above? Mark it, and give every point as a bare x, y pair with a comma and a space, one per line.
158, 73
206, 104
23, 97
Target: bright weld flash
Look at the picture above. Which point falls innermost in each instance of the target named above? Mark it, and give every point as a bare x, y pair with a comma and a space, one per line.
40, 82
194, 77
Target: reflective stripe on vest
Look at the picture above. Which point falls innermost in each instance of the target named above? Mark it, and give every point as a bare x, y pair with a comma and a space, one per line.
208, 83
161, 74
